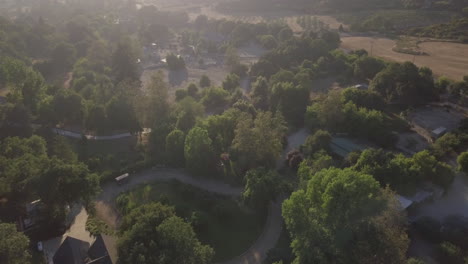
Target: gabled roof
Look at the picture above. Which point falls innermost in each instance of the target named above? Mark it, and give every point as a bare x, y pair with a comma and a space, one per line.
103, 250
71, 251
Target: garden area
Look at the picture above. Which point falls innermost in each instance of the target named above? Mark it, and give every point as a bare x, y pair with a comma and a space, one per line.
219, 221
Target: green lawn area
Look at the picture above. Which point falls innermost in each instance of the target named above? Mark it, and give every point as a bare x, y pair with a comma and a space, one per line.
218, 221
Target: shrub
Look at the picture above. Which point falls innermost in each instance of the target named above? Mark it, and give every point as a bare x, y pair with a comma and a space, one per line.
449, 253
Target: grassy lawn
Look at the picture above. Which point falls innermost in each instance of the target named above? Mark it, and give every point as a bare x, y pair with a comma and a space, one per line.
218, 221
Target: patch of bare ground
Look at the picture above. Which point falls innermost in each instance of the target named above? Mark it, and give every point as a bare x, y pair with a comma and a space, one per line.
444, 58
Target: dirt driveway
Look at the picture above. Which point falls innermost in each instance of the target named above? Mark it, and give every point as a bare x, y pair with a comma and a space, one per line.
444, 58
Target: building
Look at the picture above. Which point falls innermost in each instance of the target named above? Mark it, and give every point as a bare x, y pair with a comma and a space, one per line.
342, 146
31, 216
71, 251
404, 202
438, 132
103, 250
75, 251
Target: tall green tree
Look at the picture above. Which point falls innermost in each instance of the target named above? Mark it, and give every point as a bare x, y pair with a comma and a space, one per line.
291, 100
405, 84
121, 114
199, 154
155, 107
261, 187
231, 82
319, 141
175, 143
179, 243
344, 217
187, 112
65, 183
258, 142
21, 161
153, 234
261, 94
205, 81
63, 56
124, 62
13, 245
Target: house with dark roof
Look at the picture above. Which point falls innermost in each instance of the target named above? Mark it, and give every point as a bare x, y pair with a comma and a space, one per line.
103, 250
75, 251
72, 251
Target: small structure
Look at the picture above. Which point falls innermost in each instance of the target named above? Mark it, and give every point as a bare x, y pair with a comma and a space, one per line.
3, 100
31, 216
122, 179
342, 146
438, 132
362, 86
404, 202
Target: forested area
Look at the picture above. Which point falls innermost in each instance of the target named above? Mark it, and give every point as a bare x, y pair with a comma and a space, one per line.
83, 70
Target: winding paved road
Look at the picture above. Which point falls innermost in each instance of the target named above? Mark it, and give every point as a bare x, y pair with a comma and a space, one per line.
254, 255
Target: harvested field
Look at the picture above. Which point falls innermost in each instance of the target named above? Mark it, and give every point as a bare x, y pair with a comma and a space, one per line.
444, 58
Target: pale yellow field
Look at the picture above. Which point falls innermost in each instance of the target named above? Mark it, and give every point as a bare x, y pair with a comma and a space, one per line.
444, 58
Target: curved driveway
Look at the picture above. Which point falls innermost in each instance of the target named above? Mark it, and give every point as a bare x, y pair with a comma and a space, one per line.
254, 255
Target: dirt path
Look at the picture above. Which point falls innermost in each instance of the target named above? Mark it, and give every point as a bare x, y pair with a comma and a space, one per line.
68, 80
444, 58
256, 253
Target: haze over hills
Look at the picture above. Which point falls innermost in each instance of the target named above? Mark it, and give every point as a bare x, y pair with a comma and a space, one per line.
233, 131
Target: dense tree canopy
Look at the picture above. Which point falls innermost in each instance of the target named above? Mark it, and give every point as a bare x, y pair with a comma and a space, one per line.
13, 245
291, 100
199, 154
261, 187
344, 217
399, 171
258, 142
405, 83
175, 143
28, 172
154, 235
